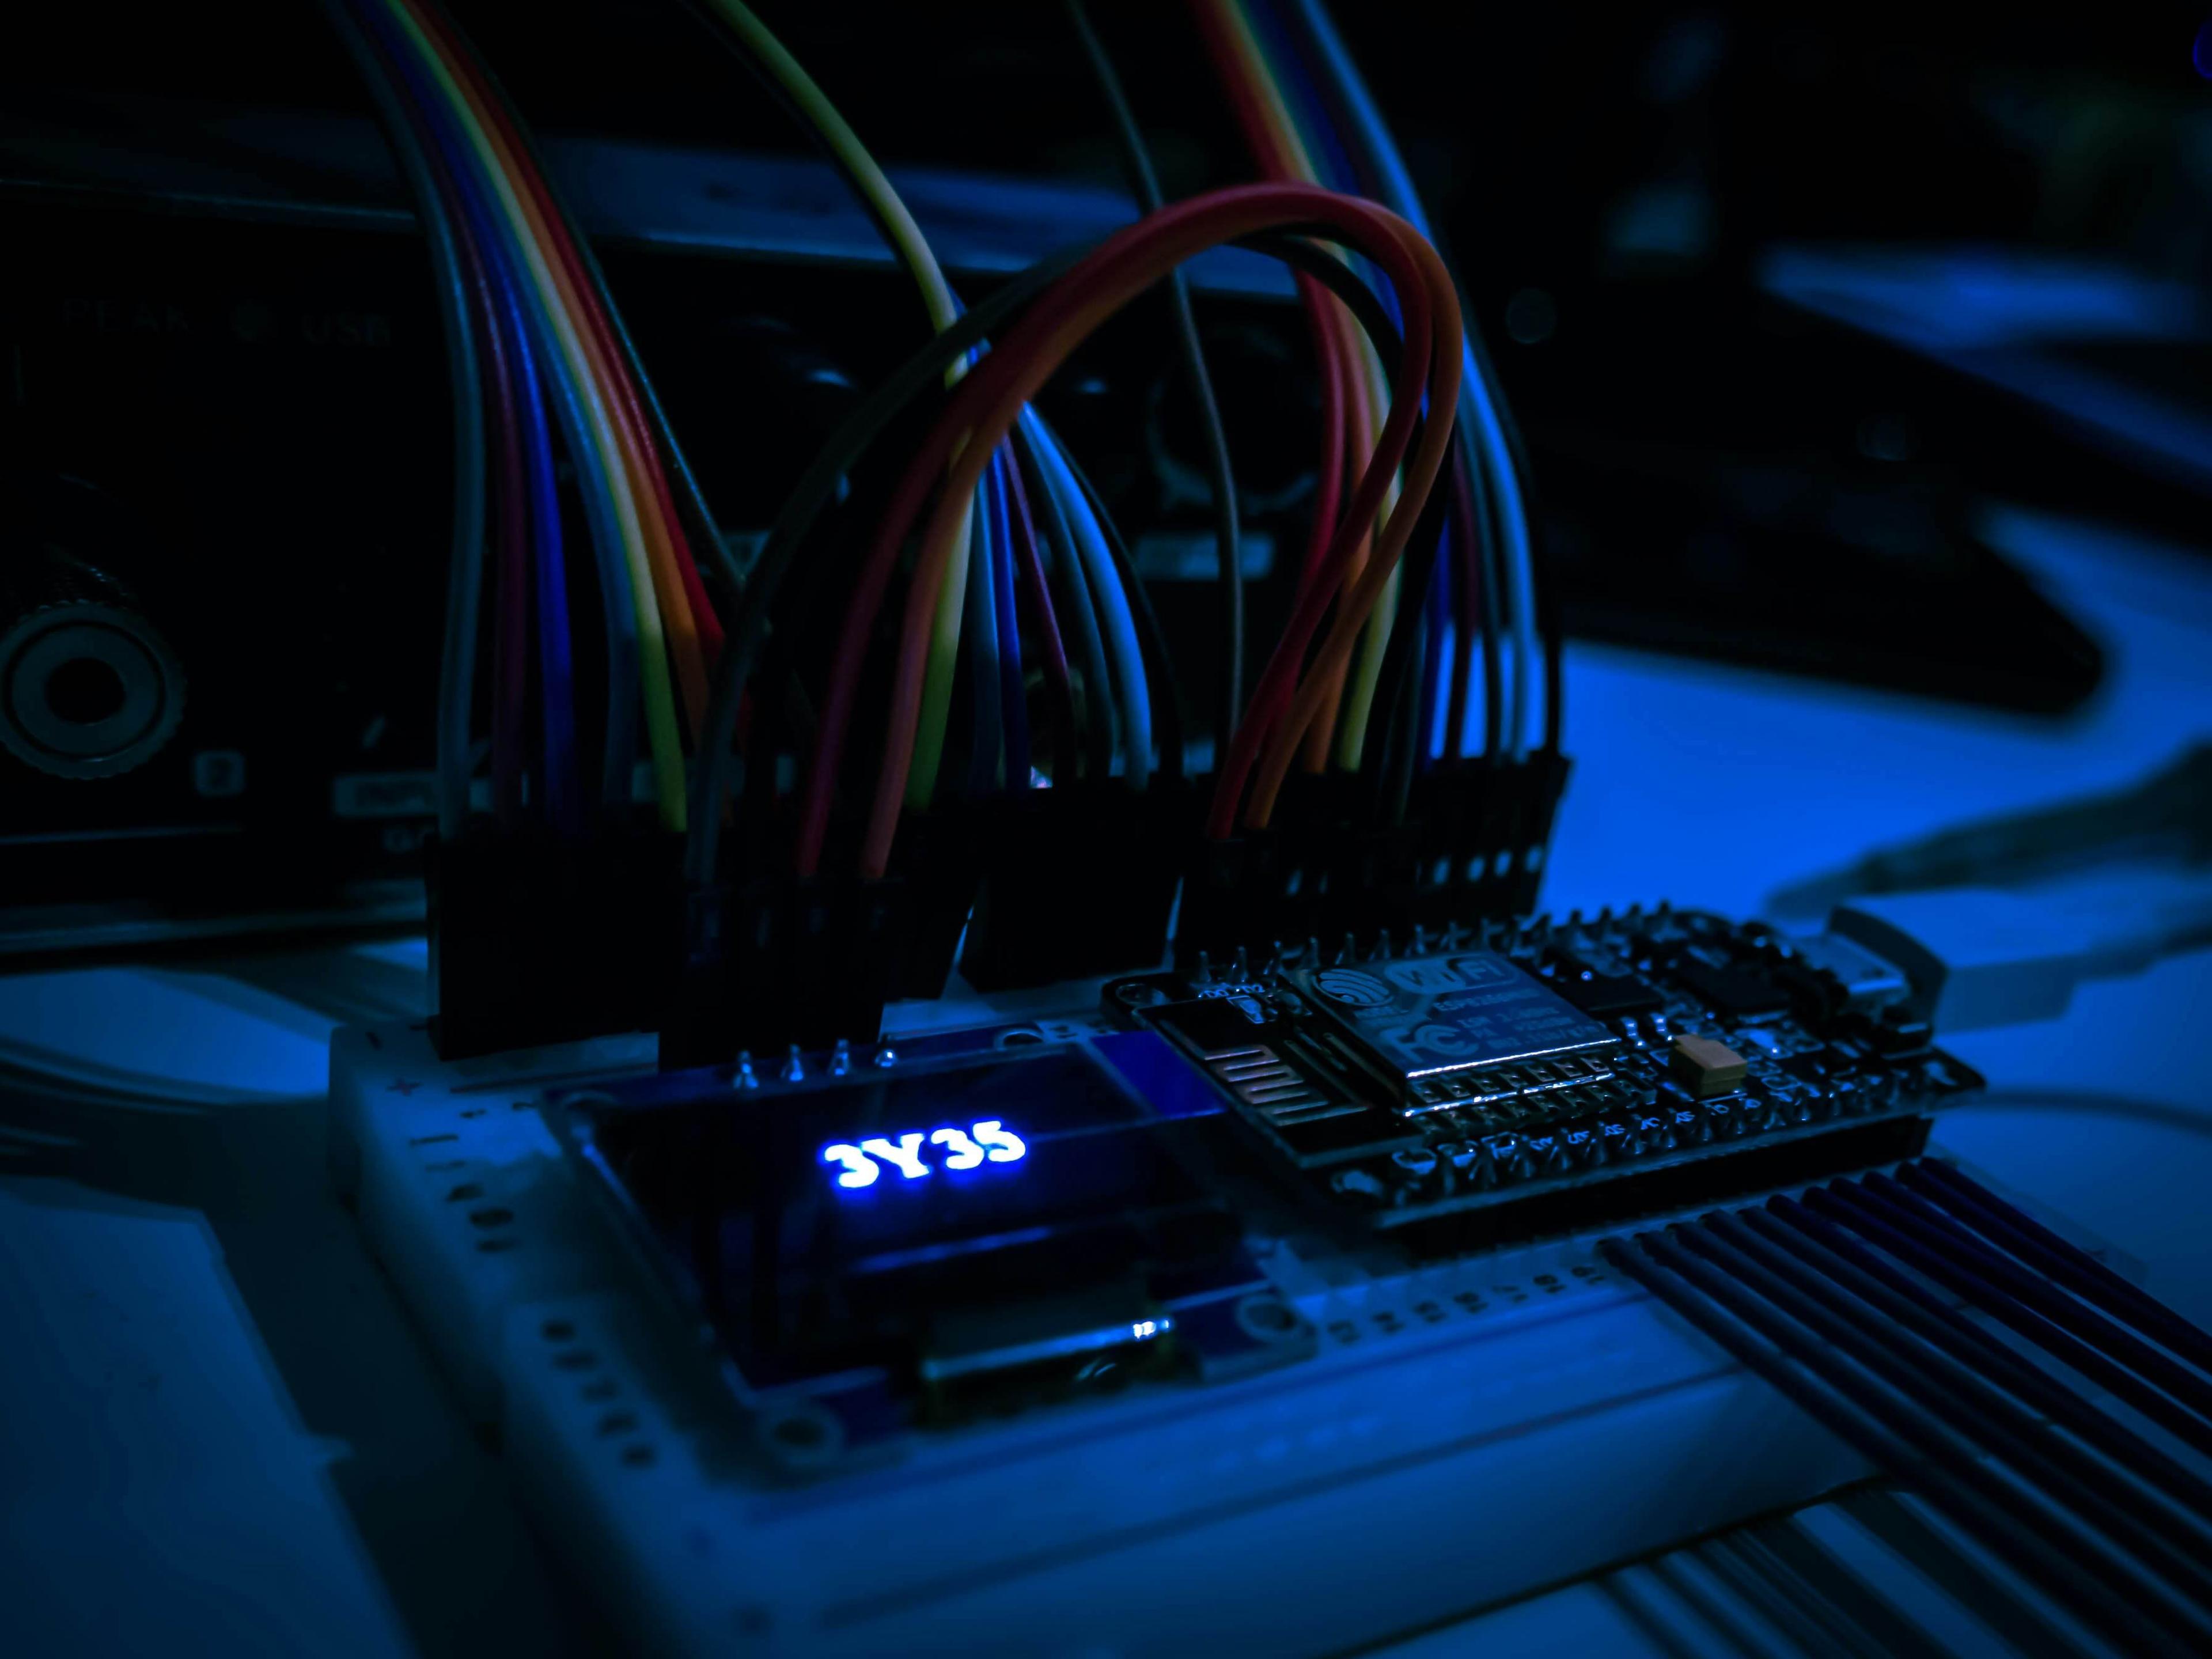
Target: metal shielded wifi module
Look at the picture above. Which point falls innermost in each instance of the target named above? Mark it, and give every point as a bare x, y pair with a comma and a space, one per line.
1466, 1028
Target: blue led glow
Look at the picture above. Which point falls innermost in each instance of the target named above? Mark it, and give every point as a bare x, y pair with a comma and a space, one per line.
986, 1142
859, 1170
903, 1154
966, 1154
2201, 53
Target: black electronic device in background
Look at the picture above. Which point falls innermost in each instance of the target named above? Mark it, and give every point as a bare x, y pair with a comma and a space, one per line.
207, 434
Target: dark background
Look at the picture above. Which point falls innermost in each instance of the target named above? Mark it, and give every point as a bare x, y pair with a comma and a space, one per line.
1528, 127
1719, 475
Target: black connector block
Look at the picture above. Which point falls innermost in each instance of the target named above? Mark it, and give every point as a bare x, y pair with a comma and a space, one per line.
778, 960
1078, 879
1324, 869
1482, 830
938, 856
535, 939
1471, 850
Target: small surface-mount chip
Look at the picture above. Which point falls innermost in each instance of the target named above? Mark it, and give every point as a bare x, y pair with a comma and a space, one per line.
1738, 992
1603, 994
1449, 1028
1707, 1066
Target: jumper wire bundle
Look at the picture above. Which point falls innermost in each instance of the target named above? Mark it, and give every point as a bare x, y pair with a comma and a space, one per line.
1306, 114
1008, 455
1030, 542
959, 637
529, 328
